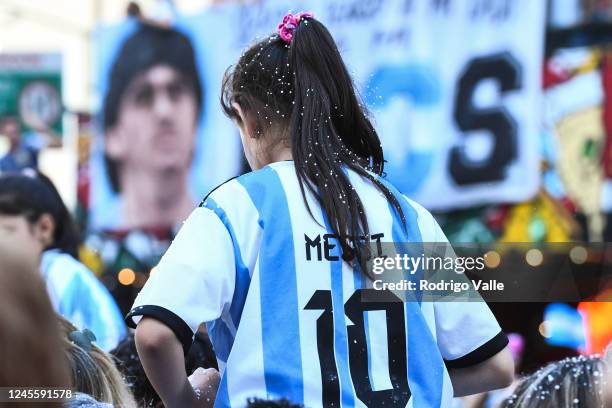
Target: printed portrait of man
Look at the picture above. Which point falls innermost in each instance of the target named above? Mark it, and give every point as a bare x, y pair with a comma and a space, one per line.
151, 111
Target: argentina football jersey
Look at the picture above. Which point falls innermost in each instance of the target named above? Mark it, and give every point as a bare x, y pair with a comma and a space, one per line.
286, 314
79, 296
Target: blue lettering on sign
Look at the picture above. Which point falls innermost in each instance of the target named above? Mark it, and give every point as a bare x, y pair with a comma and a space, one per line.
420, 85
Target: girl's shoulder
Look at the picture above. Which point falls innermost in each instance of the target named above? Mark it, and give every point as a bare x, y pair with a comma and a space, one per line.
56, 264
54, 259
236, 190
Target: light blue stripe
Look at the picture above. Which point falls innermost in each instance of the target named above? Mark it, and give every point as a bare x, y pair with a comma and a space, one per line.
361, 283
425, 365
243, 277
278, 287
407, 240
85, 298
340, 333
222, 400
347, 395
221, 338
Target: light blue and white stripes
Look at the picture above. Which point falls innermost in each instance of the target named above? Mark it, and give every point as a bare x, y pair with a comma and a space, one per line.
279, 320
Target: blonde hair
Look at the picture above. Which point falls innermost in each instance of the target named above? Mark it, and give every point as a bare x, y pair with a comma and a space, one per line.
94, 371
575, 382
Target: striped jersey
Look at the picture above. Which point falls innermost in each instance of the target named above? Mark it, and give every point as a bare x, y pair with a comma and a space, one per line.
81, 298
285, 313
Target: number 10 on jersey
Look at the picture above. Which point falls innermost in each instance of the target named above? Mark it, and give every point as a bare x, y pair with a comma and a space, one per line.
361, 301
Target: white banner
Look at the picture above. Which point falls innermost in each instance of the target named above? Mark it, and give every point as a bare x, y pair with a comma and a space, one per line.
454, 87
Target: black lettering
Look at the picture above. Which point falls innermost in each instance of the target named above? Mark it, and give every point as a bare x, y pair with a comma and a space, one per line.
310, 243
376, 238
327, 247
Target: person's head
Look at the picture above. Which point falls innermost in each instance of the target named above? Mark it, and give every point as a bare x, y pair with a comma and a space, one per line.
576, 382
32, 211
201, 354
300, 96
152, 105
29, 339
93, 371
133, 10
11, 129
132, 370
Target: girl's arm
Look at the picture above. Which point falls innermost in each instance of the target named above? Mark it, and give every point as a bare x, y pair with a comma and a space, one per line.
162, 357
496, 372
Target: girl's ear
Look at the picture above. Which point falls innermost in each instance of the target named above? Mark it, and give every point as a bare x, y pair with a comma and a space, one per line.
44, 229
246, 123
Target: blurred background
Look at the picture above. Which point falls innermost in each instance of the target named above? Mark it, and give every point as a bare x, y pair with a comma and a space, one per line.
494, 114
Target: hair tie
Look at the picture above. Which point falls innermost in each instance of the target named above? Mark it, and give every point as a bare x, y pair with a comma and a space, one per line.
290, 23
83, 338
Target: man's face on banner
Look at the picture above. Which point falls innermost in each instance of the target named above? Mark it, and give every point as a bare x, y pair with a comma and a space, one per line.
156, 124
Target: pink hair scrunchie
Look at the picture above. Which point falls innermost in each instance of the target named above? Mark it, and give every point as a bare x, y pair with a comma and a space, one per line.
290, 23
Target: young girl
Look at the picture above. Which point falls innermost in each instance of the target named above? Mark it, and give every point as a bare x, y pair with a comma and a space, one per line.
272, 262
30, 204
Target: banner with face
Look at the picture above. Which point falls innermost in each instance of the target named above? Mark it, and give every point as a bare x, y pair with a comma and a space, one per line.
153, 160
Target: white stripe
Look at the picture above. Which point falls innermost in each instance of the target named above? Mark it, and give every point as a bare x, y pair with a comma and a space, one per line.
245, 367
447, 390
427, 228
243, 217
379, 350
60, 270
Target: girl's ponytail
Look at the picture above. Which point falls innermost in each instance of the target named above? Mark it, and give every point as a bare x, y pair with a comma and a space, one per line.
330, 133
295, 84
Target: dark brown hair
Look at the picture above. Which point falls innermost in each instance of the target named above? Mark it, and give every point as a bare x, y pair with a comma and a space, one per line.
304, 91
33, 195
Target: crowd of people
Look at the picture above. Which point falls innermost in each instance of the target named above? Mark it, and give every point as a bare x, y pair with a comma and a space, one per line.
222, 322
40, 346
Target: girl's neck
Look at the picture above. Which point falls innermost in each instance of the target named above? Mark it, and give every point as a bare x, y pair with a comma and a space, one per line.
282, 154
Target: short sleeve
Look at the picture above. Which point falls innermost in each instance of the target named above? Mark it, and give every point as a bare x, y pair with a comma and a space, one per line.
193, 282
467, 334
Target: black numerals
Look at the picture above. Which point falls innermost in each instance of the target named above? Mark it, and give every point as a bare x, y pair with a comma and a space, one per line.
354, 310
